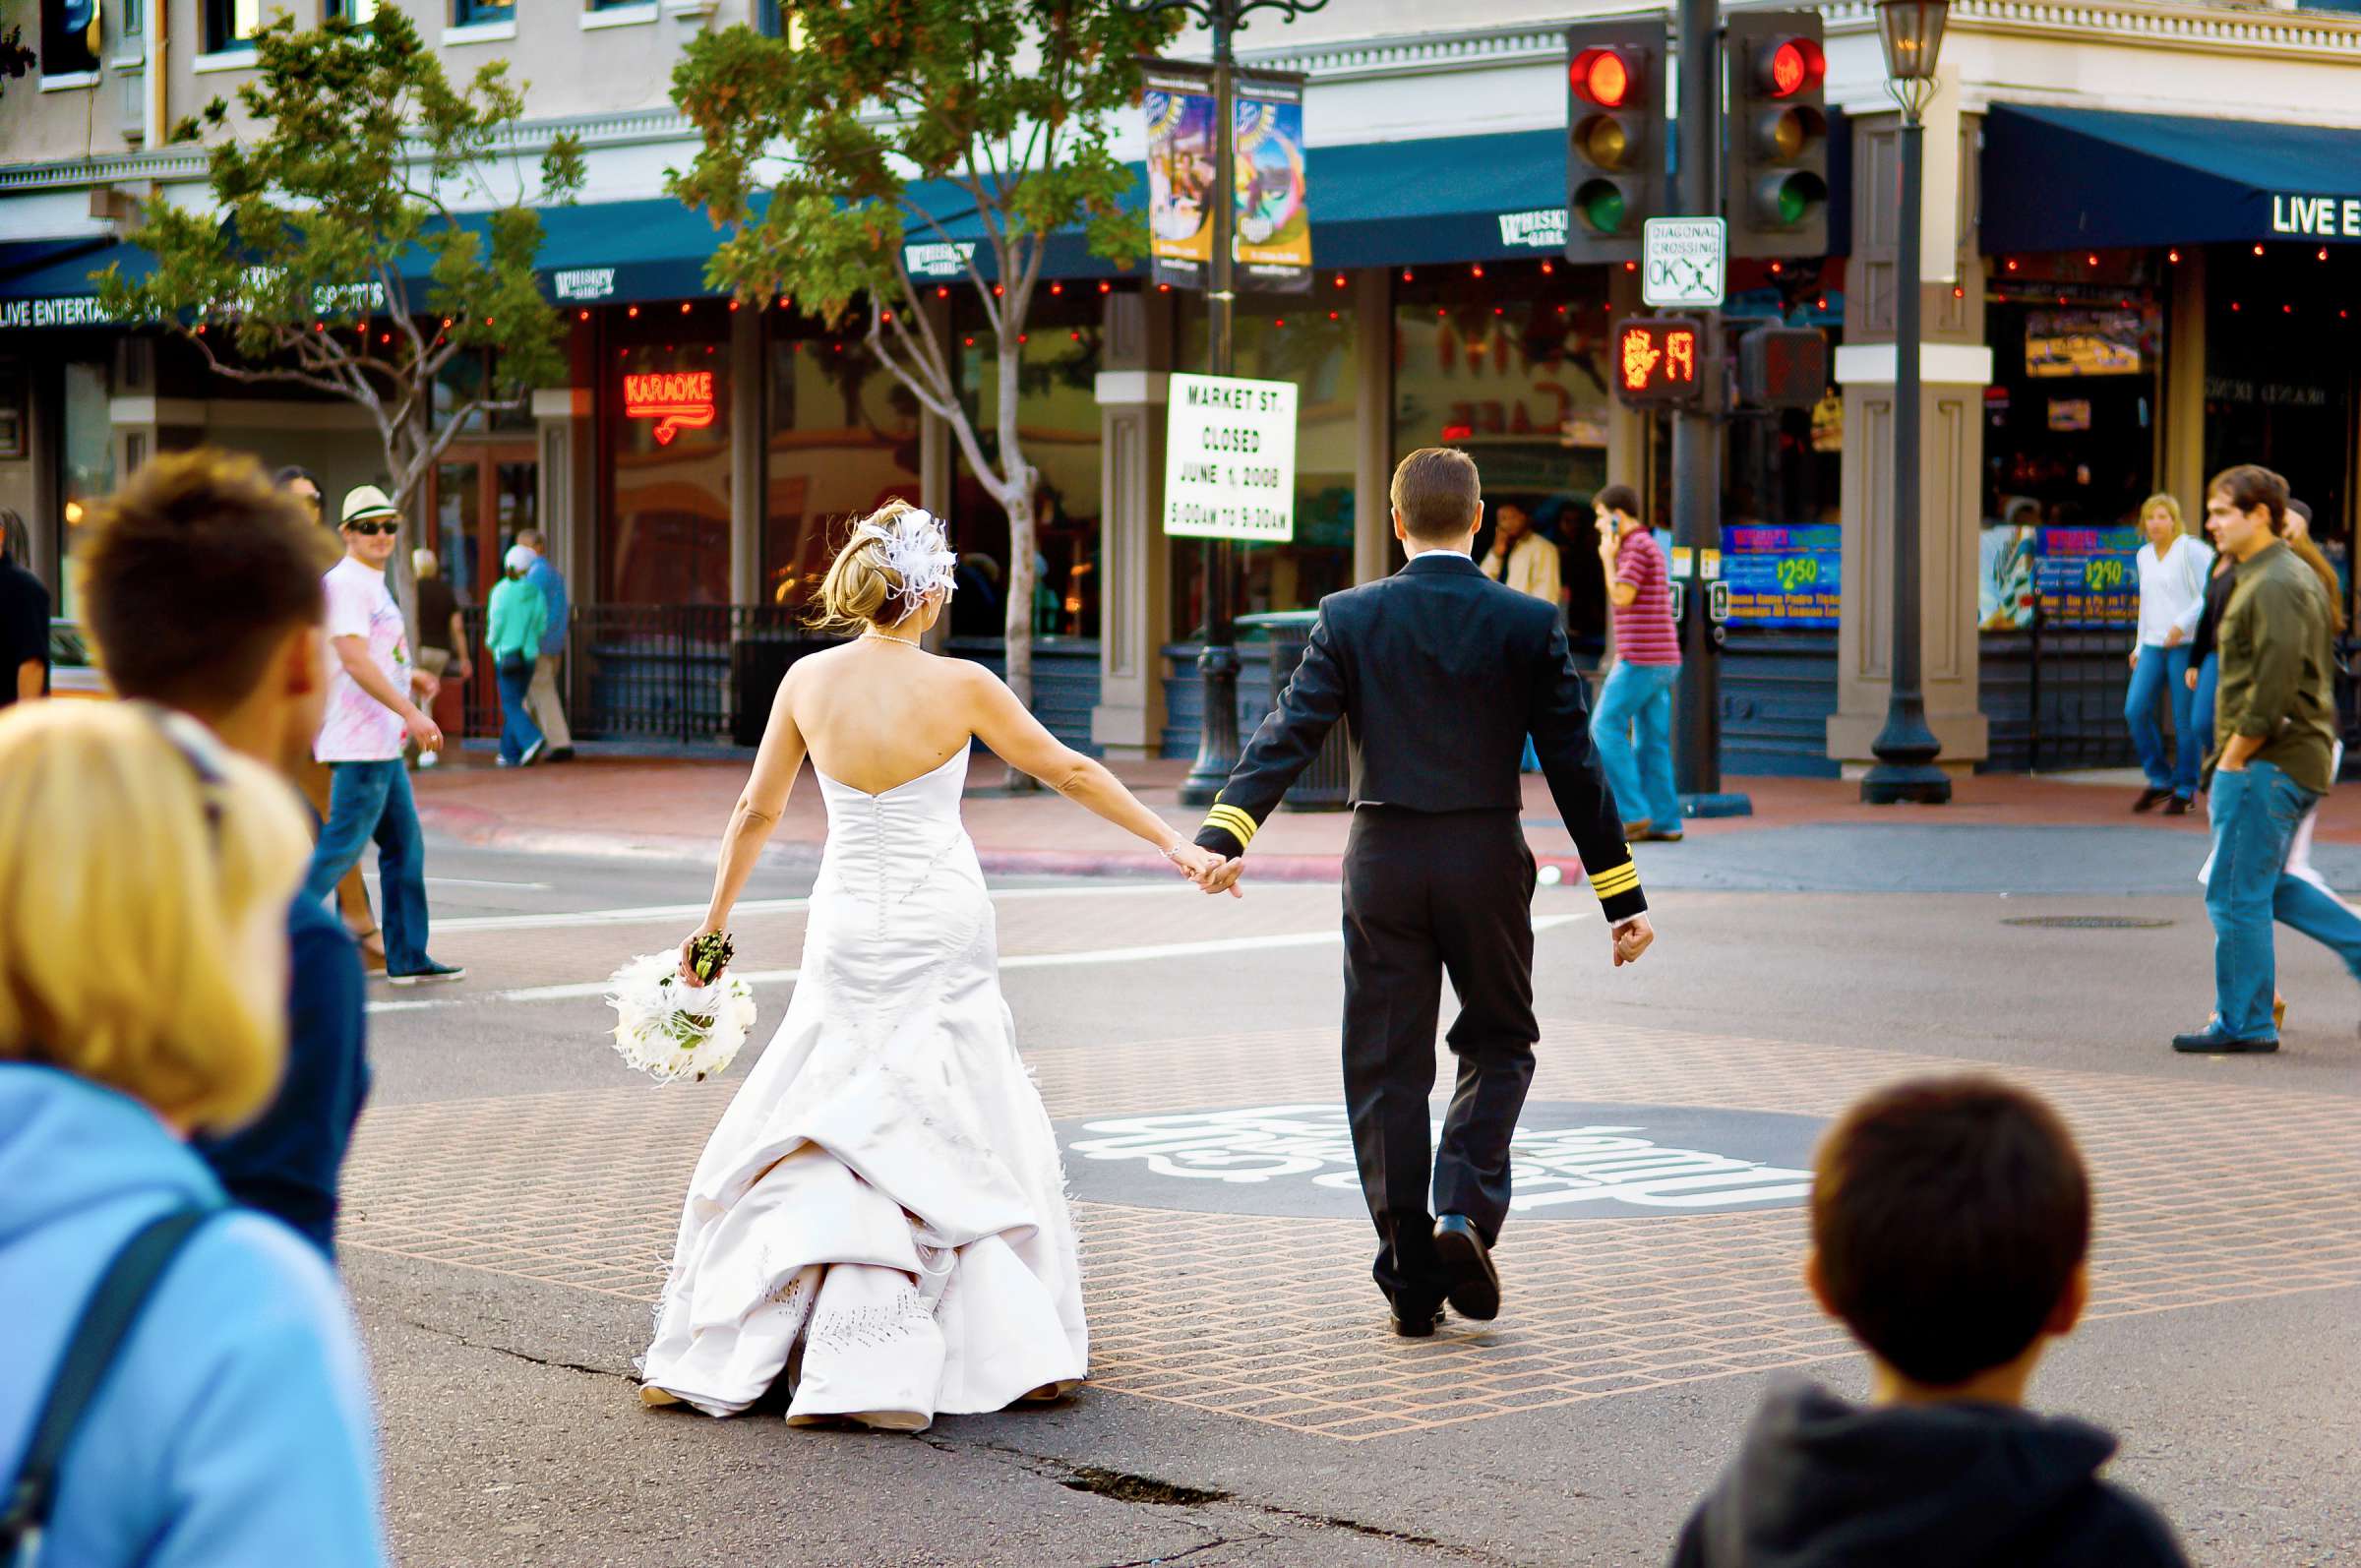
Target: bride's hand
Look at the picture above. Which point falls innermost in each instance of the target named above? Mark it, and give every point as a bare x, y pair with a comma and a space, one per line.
1192, 861
688, 961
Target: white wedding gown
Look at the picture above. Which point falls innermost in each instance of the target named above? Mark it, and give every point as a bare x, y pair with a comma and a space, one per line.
882, 1212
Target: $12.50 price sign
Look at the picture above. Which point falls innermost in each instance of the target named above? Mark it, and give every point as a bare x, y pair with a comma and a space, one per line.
1229, 459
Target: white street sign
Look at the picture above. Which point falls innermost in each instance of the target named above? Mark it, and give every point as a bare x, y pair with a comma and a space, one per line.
1229, 459
1682, 262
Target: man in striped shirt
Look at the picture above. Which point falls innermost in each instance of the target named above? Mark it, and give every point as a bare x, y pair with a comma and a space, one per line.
1633, 727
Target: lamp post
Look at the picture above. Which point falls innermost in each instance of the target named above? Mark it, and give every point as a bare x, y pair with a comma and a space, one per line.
1911, 31
1217, 663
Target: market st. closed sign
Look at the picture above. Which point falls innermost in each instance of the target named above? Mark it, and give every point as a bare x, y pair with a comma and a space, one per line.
1229, 459
2316, 218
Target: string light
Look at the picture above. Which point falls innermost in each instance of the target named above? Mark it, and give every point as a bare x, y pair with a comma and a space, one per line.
684, 307
968, 341
2235, 306
2324, 253
1164, 288
1340, 279
2257, 250
2174, 256
1478, 268
943, 291
1549, 268
1105, 287
733, 304
1332, 315
1056, 289
2011, 263
1959, 291
998, 291
1406, 274
887, 315
581, 316
1631, 267
1280, 321
1776, 267
2092, 259
634, 312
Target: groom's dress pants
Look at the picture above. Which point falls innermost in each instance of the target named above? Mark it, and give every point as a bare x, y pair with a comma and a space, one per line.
1428, 894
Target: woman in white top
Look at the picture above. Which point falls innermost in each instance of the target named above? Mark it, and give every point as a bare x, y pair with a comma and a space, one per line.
2172, 593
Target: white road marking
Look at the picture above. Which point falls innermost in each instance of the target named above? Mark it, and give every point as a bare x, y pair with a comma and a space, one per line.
761, 906
581, 990
470, 882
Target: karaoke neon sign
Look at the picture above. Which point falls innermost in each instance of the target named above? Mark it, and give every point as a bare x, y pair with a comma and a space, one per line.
676, 401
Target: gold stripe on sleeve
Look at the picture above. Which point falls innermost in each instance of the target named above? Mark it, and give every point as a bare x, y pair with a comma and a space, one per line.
1619, 880
1230, 819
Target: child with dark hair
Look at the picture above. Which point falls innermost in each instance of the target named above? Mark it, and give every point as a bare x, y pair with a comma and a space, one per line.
1950, 1232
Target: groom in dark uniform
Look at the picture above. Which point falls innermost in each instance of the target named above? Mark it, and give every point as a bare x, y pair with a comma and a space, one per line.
1441, 674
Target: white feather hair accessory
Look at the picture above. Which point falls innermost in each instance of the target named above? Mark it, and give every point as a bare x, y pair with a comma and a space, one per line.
917, 551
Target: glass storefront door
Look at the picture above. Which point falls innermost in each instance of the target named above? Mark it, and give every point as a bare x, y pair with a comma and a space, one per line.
485, 494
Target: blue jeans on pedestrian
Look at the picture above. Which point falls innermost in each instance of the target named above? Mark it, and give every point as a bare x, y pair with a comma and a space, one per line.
2254, 812
1633, 731
519, 733
2303, 905
2163, 673
372, 800
2201, 705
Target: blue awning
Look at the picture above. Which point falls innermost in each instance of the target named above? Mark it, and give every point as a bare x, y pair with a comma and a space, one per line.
47, 282
2064, 179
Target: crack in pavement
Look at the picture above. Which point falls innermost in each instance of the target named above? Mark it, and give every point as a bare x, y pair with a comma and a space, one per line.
462, 1339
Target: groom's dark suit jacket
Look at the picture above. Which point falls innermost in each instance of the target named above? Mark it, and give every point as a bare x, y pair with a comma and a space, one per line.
1440, 674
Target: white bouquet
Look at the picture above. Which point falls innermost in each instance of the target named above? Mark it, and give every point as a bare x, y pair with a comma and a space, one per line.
670, 1029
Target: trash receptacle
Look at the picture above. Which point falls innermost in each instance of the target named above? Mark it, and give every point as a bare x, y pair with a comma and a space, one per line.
1326, 785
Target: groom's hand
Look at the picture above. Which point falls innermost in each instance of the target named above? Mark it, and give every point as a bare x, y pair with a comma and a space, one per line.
1223, 878
1632, 938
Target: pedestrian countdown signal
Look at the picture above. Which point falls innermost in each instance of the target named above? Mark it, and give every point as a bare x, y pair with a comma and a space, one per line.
1660, 359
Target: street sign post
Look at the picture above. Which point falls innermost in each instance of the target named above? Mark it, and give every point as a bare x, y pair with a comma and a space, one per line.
1230, 458
1681, 263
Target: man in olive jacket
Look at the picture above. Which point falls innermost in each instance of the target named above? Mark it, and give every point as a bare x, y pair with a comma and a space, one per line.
2274, 746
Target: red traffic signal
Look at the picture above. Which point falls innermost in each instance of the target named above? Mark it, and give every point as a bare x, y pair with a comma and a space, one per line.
1791, 66
1660, 359
1601, 77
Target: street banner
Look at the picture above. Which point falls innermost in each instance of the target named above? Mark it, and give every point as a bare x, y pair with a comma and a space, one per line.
2087, 576
1271, 246
1783, 577
1229, 459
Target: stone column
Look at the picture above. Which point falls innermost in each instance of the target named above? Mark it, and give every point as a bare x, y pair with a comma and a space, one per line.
2181, 432
1954, 367
750, 436
562, 437
1134, 588
1373, 546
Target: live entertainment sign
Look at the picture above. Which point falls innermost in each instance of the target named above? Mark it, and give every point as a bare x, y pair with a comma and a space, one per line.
2320, 217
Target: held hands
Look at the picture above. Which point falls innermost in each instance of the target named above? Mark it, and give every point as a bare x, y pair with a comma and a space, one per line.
1204, 867
1632, 937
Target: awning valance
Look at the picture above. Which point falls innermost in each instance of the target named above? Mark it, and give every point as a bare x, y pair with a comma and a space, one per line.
2061, 179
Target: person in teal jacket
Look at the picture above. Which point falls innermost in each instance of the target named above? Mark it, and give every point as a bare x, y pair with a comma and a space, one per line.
518, 615
233, 1423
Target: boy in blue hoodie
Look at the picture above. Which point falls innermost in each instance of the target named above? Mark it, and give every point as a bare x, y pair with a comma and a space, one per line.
1950, 1232
201, 587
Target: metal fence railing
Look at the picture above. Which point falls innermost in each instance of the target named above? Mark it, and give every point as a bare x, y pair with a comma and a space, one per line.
684, 673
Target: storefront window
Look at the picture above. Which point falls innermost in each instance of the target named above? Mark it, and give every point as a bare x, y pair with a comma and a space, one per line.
2070, 437
1782, 518
86, 470
2280, 379
1057, 429
1311, 343
667, 435
843, 441
1508, 361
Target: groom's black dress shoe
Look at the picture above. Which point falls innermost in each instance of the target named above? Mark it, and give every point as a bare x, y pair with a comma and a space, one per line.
1470, 1282
1415, 1322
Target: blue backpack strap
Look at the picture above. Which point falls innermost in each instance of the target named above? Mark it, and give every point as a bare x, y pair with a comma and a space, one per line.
113, 1307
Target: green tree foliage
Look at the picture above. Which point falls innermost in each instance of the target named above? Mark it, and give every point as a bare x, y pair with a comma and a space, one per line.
876, 122
334, 258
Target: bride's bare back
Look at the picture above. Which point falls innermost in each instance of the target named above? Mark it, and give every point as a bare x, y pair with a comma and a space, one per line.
875, 714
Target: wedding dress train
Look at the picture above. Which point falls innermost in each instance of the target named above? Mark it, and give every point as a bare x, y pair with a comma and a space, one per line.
882, 1213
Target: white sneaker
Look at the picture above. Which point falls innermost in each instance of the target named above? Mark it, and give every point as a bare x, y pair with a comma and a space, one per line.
532, 753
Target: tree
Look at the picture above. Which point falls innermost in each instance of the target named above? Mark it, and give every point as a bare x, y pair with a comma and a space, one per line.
977, 124
337, 259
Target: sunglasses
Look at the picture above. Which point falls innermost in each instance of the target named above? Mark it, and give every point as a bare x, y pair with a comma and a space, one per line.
373, 527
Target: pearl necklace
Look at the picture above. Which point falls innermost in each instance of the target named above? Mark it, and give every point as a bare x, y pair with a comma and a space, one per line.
882, 637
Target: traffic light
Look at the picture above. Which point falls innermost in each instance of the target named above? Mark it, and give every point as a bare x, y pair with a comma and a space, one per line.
1776, 191
1782, 367
1614, 137
1660, 359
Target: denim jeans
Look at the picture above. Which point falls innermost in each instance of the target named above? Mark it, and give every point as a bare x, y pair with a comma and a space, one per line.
518, 731
372, 800
2303, 903
1633, 731
2201, 705
2254, 813
2163, 673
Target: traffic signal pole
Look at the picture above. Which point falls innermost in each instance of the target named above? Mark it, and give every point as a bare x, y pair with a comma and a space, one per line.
1696, 428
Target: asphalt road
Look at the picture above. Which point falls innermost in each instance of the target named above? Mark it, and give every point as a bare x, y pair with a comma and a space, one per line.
513, 1438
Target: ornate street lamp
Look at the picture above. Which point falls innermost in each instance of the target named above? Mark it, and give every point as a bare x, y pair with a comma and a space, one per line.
1911, 31
1217, 664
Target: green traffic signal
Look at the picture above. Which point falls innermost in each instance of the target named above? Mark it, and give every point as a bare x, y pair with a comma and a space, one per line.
1601, 205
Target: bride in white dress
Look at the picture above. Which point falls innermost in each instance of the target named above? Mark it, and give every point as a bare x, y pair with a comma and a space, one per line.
881, 1215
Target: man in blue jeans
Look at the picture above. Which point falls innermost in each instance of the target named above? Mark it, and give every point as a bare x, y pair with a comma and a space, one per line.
2275, 731
372, 713
1633, 725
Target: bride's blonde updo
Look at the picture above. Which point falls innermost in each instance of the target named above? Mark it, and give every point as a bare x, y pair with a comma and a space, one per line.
897, 556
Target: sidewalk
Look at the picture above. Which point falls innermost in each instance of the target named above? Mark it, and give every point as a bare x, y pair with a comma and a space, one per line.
679, 807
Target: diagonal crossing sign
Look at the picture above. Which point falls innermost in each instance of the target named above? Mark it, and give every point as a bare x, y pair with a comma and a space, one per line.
1682, 262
